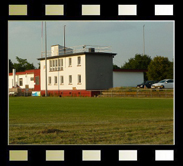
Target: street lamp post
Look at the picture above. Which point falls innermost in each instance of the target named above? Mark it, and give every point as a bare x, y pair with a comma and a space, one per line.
143, 41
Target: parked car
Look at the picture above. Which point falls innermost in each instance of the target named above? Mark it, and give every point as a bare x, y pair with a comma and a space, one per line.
147, 84
166, 83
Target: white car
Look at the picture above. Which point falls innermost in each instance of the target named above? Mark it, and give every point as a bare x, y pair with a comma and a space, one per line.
166, 83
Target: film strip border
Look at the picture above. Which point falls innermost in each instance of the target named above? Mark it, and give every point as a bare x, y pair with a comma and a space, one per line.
90, 155
77, 154
91, 10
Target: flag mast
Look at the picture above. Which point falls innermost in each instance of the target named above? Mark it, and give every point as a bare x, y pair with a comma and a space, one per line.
143, 41
45, 61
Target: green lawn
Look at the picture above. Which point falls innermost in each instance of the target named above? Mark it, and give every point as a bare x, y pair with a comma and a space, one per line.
54, 120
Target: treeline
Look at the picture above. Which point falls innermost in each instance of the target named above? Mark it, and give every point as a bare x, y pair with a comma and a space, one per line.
22, 65
158, 68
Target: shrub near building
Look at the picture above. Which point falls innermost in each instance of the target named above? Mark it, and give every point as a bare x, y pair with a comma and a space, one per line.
160, 68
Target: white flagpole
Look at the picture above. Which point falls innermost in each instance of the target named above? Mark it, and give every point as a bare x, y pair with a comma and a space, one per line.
42, 39
45, 61
143, 41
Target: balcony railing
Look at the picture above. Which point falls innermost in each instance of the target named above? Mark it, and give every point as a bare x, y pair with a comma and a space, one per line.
77, 49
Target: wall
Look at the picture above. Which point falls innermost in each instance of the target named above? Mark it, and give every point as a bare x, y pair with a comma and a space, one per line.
130, 79
72, 93
73, 70
26, 80
55, 50
10, 81
59, 50
99, 71
37, 74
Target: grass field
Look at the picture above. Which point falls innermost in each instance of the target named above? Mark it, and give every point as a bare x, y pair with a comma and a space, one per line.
54, 120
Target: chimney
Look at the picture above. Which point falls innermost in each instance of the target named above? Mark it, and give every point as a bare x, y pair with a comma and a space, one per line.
14, 81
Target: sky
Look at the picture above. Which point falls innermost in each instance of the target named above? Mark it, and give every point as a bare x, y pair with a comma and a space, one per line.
124, 37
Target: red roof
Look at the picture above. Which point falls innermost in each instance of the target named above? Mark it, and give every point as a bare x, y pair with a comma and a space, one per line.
129, 70
24, 72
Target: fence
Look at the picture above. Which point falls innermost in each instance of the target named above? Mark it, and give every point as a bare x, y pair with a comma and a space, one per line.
81, 48
164, 93
20, 92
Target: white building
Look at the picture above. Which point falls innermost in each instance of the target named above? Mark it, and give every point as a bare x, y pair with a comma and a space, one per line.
72, 73
28, 79
127, 77
82, 73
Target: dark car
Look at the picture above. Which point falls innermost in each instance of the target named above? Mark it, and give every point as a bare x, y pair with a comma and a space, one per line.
147, 84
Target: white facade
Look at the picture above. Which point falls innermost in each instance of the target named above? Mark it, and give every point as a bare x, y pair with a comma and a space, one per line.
59, 50
64, 73
127, 79
22, 80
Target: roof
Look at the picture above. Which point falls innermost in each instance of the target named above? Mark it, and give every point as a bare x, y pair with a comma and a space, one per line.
78, 53
130, 70
24, 72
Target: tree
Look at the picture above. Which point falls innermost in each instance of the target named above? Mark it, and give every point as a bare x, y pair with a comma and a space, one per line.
160, 68
39, 65
170, 71
116, 67
10, 66
139, 62
23, 65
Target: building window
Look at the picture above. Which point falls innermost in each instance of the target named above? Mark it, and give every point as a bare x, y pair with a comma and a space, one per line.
70, 79
79, 79
32, 79
79, 61
49, 80
37, 80
60, 64
61, 79
50, 61
55, 80
70, 61
55, 65
20, 81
